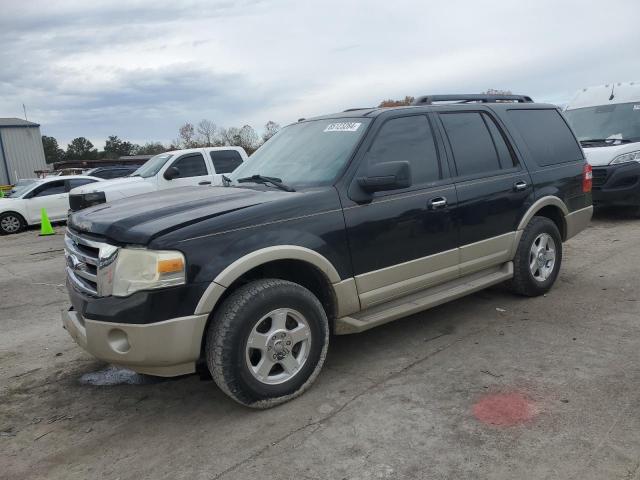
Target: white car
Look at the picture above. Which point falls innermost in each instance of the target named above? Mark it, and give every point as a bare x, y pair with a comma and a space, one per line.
606, 120
179, 168
21, 207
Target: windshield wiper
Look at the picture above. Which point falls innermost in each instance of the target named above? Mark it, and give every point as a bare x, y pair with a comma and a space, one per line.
606, 141
277, 182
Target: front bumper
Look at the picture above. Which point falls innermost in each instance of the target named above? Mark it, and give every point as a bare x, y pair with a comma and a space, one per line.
167, 349
617, 185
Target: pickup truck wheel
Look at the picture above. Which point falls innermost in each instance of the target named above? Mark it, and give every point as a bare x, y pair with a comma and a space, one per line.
11, 222
538, 258
267, 342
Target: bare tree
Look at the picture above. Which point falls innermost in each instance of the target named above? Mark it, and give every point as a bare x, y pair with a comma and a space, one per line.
270, 129
397, 103
186, 136
497, 91
207, 131
248, 139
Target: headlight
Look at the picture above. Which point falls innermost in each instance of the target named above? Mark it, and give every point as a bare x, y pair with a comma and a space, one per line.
79, 201
139, 269
626, 158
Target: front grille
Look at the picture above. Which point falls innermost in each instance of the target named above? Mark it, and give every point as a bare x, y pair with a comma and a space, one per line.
599, 176
88, 264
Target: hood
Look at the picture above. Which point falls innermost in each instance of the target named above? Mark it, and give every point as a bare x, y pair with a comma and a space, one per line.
600, 156
118, 187
139, 219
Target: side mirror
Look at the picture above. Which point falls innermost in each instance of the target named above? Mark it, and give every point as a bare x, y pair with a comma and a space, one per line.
171, 173
386, 176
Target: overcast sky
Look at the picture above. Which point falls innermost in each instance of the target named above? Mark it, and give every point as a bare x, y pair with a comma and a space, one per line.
139, 69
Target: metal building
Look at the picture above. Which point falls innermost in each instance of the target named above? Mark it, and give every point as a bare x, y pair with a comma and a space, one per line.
21, 150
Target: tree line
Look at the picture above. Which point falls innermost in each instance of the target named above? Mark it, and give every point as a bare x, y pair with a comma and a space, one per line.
205, 134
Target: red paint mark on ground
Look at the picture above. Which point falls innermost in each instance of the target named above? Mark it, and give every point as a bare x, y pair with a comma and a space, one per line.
504, 409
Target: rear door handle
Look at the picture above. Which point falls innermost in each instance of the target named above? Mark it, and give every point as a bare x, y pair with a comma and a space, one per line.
519, 186
204, 183
437, 202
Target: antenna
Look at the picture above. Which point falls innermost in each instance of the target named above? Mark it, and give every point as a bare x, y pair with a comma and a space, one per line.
612, 95
24, 109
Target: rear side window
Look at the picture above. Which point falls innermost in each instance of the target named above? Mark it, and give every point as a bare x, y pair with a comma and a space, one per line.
225, 161
474, 150
547, 136
191, 166
78, 182
50, 188
407, 139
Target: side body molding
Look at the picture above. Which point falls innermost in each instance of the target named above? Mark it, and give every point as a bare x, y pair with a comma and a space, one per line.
344, 290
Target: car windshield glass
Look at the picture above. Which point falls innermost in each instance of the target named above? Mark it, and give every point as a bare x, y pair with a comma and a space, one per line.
152, 166
21, 188
309, 153
606, 122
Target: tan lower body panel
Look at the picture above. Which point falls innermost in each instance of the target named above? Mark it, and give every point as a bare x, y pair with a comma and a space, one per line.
486, 253
578, 221
423, 300
166, 349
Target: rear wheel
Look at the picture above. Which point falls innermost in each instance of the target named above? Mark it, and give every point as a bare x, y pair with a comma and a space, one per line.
11, 222
267, 342
538, 258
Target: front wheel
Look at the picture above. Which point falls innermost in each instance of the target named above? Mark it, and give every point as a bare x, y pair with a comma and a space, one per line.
267, 342
538, 258
11, 222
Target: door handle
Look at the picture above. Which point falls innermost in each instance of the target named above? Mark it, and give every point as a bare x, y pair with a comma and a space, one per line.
204, 183
520, 186
436, 203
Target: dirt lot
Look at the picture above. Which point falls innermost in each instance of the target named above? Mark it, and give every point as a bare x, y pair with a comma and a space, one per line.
413, 399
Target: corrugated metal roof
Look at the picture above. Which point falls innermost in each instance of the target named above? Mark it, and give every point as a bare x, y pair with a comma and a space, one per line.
16, 122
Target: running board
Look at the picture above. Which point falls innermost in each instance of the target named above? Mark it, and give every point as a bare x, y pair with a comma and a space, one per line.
423, 300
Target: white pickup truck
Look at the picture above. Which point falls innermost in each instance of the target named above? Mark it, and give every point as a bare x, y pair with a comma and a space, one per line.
178, 168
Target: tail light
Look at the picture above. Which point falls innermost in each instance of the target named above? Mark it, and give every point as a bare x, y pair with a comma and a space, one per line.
587, 178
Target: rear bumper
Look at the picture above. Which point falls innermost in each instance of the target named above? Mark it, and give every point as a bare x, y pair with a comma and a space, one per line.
166, 349
617, 185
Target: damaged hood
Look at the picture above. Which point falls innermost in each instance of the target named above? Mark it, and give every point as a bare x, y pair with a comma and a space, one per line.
139, 219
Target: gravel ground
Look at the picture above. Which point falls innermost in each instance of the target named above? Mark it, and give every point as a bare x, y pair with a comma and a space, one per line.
490, 386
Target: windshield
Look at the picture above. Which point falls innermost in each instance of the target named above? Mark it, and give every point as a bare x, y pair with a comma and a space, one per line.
21, 188
612, 122
152, 166
306, 153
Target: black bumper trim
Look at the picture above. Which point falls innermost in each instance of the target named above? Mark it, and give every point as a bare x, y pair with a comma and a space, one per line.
140, 308
620, 185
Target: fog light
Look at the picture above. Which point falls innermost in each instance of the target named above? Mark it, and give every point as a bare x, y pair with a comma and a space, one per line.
118, 340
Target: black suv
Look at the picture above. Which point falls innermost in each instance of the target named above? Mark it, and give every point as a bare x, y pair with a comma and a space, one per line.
336, 225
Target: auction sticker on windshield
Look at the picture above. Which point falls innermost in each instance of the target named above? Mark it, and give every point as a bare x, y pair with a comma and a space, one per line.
636, 107
343, 127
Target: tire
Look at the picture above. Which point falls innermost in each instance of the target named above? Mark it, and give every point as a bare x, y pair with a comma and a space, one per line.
11, 222
267, 313
533, 280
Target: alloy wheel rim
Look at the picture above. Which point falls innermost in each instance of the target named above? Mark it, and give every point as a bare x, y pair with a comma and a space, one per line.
542, 257
10, 224
278, 346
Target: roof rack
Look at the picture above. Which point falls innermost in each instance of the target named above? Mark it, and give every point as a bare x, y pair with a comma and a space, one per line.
470, 98
358, 108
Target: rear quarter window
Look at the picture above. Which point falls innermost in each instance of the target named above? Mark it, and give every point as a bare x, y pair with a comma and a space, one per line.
547, 136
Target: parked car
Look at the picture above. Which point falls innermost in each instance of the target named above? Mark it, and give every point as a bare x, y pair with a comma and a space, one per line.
179, 168
336, 225
21, 207
606, 120
107, 173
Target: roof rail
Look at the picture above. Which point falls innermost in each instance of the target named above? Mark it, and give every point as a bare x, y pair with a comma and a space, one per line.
470, 98
358, 108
